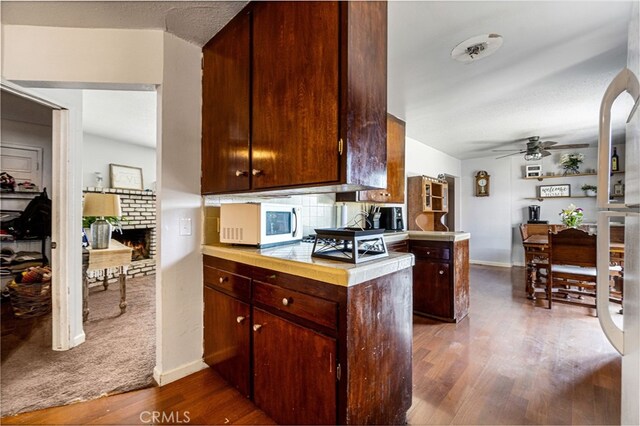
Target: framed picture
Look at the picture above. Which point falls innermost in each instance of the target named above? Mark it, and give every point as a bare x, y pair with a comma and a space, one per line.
554, 191
125, 177
533, 170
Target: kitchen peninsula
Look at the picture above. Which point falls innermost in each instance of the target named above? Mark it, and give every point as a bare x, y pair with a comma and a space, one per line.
309, 340
441, 278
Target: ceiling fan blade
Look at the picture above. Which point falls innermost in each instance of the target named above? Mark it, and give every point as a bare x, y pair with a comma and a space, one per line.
509, 155
547, 144
545, 153
569, 146
508, 150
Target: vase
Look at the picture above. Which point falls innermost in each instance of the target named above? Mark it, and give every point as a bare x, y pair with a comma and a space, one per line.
571, 171
590, 193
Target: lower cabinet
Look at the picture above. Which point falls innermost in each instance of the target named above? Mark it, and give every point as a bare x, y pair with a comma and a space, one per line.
295, 345
294, 371
441, 279
227, 325
432, 294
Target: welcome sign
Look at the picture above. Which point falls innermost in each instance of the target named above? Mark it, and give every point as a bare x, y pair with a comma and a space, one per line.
554, 191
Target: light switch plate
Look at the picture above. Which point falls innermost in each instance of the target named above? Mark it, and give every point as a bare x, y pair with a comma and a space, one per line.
185, 226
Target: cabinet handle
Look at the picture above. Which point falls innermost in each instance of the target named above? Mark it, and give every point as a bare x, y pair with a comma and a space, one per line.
287, 301
241, 173
441, 272
223, 279
272, 277
428, 252
257, 327
256, 172
239, 319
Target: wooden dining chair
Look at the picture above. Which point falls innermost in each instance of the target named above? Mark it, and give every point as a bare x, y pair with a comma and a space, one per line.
536, 257
572, 271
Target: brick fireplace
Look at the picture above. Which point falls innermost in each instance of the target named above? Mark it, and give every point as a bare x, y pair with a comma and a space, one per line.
138, 229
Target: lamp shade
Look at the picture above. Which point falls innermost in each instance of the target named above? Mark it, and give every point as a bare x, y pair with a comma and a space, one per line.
101, 205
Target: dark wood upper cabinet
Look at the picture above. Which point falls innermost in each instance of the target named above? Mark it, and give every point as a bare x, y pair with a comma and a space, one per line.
225, 108
394, 192
312, 112
295, 93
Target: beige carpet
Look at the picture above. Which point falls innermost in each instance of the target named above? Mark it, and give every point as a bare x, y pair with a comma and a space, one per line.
117, 356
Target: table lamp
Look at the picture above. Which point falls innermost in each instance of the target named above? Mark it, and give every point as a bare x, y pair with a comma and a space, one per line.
101, 205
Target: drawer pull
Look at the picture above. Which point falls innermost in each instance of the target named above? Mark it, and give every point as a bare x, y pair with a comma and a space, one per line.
239, 319
287, 301
441, 272
241, 173
257, 327
256, 172
223, 279
272, 277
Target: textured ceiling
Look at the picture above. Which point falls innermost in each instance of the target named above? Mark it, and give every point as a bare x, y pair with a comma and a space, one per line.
194, 21
546, 80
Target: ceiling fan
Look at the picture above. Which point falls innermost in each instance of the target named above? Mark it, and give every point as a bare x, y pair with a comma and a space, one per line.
536, 149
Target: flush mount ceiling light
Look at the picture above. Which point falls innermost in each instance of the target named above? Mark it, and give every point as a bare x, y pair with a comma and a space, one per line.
477, 47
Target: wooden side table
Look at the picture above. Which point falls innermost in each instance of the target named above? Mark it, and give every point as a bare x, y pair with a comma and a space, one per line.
116, 257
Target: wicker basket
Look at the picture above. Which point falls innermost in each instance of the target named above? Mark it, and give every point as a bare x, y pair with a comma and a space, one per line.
30, 300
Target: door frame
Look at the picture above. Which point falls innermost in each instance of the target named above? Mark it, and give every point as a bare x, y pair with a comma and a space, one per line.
63, 219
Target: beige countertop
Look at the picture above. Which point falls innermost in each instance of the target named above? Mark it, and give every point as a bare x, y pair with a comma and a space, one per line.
296, 259
439, 236
426, 236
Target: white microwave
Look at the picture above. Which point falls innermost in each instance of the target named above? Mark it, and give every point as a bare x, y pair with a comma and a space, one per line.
260, 224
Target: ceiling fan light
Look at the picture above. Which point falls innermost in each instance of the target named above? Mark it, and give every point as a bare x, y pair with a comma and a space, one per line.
477, 47
533, 156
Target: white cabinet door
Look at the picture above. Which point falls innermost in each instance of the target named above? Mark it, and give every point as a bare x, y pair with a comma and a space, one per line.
23, 163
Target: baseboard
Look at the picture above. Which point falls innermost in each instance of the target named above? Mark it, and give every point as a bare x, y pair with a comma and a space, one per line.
80, 338
488, 263
163, 378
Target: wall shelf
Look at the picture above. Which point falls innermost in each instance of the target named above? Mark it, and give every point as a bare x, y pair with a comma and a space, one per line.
541, 178
557, 198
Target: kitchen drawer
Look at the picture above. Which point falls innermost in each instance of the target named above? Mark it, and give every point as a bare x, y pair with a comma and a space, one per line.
320, 311
399, 246
431, 252
230, 283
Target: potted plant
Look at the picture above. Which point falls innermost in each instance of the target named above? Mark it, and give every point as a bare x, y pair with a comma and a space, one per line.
590, 190
572, 216
571, 163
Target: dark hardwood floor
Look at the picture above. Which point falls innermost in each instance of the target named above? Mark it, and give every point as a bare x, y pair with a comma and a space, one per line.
508, 362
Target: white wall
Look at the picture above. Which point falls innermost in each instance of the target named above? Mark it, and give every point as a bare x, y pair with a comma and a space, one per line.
424, 160
90, 56
493, 221
179, 299
98, 152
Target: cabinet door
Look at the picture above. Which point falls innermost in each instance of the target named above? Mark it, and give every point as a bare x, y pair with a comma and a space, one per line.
226, 338
432, 288
225, 109
295, 94
294, 371
394, 193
